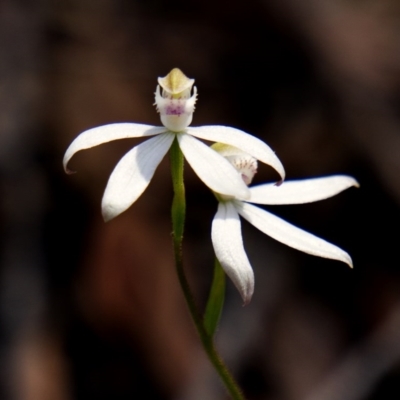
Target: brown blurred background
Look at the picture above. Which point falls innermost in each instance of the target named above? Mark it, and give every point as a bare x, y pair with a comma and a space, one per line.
93, 311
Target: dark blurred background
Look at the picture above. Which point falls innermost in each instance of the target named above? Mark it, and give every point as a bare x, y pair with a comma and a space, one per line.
93, 311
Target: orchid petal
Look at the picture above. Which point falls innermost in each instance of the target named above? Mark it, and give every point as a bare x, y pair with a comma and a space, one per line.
242, 140
290, 235
301, 191
107, 133
132, 175
227, 240
213, 169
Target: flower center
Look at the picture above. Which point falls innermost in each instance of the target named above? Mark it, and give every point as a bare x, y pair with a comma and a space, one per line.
246, 165
243, 162
175, 102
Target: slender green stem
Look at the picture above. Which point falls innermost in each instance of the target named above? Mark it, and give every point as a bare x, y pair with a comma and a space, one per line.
215, 300
178, 221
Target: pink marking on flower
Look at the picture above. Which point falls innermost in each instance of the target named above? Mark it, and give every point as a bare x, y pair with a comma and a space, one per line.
175, 109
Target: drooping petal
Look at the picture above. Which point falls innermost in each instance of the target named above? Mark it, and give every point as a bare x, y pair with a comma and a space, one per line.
107, 133
289, 234
227, 240
213, 169
132, 175
301, 191
243, 141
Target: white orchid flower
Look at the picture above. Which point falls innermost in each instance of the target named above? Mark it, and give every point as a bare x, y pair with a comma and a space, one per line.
226, 232
175, 103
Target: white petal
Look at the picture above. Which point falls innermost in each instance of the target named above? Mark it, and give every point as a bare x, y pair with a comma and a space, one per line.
243, 141
107, 133
290, 235
301, 191
227, 240
213, 169
132, 175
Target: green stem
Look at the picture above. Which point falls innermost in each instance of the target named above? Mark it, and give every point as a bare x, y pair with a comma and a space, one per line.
178, 221
215, 300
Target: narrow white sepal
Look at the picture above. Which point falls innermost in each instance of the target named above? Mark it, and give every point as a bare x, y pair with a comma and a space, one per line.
242, 140
106, 133
132, 175
213, 169
227, 240
289, 234
301, 191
